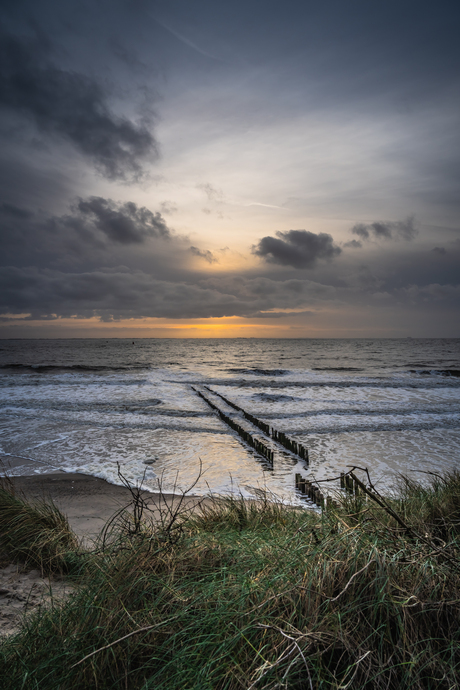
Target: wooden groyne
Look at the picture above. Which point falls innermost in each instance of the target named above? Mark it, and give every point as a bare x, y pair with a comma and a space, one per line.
252, 441
303, 485
289, 444
278, 436
250, 417
308, 489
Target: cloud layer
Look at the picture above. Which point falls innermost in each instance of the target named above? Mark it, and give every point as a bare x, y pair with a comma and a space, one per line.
268, 120
122, 293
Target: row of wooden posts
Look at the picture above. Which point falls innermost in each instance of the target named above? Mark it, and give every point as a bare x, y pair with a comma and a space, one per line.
308, 489
303, 485
255, 443
349, 484
257, 422
279, 436
250, 417
291, 445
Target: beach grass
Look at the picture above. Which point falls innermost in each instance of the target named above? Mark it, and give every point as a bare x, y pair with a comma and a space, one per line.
245, 594
37, 534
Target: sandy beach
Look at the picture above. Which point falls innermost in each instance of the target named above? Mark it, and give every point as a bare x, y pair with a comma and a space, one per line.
88, 502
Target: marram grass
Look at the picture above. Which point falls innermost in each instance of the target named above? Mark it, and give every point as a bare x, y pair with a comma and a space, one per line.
257, 595
37, 534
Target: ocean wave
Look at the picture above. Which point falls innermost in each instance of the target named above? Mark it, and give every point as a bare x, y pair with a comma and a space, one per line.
365, 411
436, 372
373, 426
337, 369
52, 368
260, 372
128, 406
274, 398
148, 408
374, 382
150, 425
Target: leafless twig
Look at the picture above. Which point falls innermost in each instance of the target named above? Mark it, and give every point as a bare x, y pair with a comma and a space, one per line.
351, 580
120, 639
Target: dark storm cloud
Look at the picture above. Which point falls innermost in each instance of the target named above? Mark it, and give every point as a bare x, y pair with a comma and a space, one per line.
96, 230
124, 223
123, 293
71, 105
388, 230
297, 248
204, 254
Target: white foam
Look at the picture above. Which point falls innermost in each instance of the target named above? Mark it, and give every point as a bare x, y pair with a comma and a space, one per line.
93, 423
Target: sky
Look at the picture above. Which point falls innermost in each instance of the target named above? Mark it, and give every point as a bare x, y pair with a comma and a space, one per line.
214, 169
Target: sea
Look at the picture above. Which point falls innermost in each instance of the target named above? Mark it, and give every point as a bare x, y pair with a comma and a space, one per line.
139, 411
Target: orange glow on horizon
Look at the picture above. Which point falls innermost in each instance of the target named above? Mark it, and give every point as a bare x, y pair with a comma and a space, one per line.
226, 327
325, 324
